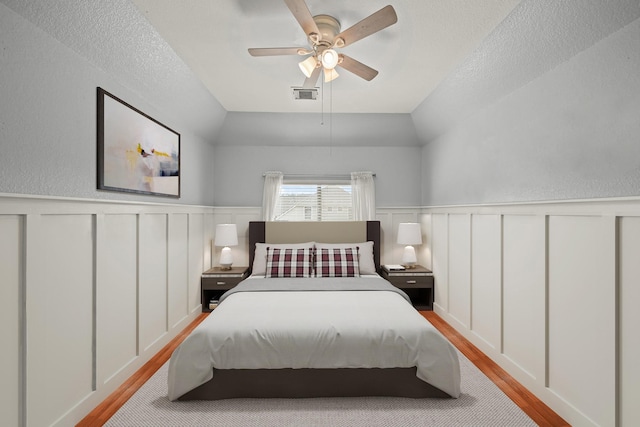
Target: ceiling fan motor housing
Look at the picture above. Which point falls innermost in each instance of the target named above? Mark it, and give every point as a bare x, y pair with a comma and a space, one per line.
329, 28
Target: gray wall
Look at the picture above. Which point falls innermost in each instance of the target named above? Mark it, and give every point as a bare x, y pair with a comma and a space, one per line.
534, 117
318, 129
238, 170
252, 143
48, 89
546, 108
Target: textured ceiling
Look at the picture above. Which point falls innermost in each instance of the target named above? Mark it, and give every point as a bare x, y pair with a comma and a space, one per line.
532, 39
413, 56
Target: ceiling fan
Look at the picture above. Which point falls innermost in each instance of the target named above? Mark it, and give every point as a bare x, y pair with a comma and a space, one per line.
323, 32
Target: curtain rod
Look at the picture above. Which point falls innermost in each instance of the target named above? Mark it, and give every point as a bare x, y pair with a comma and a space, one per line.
315, 175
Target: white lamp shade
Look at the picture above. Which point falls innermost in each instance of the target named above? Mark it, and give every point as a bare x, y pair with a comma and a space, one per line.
226, 235
409, 234
308, 65
330, 74
330, 59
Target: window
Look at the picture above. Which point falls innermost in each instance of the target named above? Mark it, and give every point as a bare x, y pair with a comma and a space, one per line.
314, 202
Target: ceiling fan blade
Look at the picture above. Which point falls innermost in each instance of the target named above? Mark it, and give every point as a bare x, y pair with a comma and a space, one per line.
274, 51
369, 25
357, 68
310, 82
303, 16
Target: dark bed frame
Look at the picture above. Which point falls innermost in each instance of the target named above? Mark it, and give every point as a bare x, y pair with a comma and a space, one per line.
307, 383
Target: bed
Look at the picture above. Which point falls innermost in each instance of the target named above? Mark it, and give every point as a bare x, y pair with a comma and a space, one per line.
314, 319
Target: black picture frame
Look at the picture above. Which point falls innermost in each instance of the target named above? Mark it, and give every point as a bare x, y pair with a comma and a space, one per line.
136, 153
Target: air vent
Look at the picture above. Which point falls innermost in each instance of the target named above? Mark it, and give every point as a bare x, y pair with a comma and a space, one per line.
301, 93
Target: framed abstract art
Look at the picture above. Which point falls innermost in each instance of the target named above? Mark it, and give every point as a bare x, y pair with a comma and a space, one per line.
136, 153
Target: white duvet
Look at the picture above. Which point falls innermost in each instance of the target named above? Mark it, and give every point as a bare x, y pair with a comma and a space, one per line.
314, 329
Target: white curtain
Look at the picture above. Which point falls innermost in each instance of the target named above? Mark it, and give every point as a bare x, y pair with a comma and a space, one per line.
270, 194
363, 191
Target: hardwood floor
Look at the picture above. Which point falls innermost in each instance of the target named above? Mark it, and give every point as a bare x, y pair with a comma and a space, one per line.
111, 404
531, 405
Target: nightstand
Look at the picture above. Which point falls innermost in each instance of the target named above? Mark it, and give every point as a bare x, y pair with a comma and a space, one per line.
416, 282
214, 282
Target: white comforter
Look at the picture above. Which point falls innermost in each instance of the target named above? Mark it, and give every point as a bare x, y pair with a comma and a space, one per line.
314, 329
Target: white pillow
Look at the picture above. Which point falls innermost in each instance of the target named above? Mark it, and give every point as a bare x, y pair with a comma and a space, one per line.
365, 254
259, 267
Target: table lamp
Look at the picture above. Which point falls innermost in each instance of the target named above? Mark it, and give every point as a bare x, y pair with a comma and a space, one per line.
409, 234
226, 235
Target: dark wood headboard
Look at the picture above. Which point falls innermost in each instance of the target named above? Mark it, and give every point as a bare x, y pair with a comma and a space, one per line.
322, 232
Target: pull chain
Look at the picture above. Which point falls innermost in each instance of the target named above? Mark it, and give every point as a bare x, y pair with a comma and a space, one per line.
331, 118
322, 102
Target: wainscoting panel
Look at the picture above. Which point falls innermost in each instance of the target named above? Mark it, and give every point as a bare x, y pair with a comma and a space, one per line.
196, 260
440, 259
116, 294
568, 274
207, 236
152, 278
582, 334
460, 268
523, 295
178, 273
85, 287
629, 336
60, 319
562, 267
424, 250
11, 249
486, 277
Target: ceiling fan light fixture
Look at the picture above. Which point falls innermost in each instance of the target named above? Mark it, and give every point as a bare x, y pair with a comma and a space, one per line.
330, 74
329, 59
324, 34
308, 65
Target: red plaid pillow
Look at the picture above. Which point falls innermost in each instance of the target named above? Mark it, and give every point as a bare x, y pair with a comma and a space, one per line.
337, 262
289, 262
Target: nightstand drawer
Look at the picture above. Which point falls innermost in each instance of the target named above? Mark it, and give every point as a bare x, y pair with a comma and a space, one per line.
215, 282
220, 282
416, 282
411, 281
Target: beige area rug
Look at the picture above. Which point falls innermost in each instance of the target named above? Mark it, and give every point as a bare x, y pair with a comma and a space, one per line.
482, 403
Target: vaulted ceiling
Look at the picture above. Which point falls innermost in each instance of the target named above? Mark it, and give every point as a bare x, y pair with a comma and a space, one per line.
443, 61
413, 56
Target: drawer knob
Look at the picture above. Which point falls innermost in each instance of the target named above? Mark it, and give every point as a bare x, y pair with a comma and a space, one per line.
221, 283
411, 282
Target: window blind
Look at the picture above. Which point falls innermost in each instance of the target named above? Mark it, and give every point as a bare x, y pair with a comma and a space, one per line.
314, 201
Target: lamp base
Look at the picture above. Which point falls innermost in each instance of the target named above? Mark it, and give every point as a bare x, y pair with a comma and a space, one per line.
409, 259
226, 259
